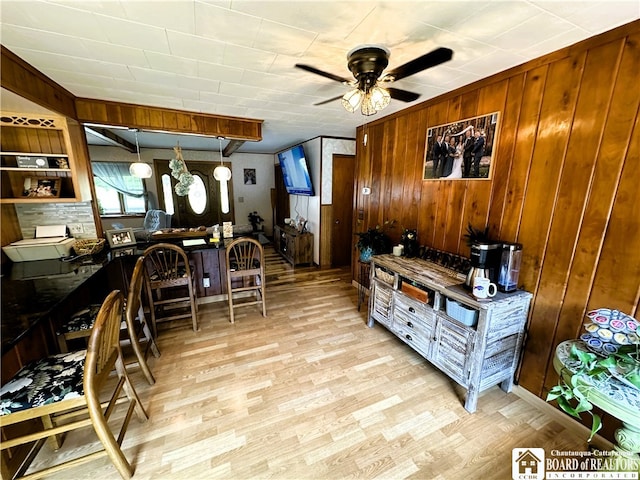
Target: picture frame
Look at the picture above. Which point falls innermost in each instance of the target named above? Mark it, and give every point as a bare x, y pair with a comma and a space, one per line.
123, 237
249, 176
460, 159
41, 187
123, 252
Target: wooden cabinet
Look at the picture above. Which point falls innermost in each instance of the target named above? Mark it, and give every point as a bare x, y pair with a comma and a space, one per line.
424, 305
39, 163
295, 247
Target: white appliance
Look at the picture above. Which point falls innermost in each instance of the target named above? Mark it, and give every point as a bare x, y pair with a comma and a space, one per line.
50, 242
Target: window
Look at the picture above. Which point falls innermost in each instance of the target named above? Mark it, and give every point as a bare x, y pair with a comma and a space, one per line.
119, 192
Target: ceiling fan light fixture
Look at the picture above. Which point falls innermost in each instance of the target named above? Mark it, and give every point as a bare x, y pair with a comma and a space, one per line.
351, 100
380, 98
367, 107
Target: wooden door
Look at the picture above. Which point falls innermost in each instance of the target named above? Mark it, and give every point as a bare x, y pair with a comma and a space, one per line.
282, 209
186, 214
342, 209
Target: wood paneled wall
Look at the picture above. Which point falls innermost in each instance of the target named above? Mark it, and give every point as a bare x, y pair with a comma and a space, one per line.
563, 183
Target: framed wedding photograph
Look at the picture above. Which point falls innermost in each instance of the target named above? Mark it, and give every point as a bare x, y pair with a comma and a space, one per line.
121, 238
41, 187
461, 150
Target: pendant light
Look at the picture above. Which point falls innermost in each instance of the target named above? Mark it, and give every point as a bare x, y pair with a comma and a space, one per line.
223, 175
140, 169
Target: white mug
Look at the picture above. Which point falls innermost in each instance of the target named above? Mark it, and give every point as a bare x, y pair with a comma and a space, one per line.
483, 288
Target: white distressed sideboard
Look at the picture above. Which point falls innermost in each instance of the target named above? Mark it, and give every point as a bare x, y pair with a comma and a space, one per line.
410, 296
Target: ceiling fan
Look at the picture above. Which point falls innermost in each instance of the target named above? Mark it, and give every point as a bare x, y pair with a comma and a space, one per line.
367, 64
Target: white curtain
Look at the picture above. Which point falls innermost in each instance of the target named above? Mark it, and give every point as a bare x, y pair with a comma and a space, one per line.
115, 175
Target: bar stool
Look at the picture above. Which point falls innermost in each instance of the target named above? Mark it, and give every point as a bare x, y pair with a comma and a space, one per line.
133, 321
245, 265
170, 285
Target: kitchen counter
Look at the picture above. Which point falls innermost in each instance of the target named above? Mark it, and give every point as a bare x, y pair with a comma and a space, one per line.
31, 289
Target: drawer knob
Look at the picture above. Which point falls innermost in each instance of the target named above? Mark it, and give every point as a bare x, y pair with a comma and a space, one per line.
409, 324
408, 337
412, 310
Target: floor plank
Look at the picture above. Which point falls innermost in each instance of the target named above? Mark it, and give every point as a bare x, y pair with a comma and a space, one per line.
311, 392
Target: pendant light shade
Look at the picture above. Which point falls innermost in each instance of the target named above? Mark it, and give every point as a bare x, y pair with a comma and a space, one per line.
223, 175
140, 169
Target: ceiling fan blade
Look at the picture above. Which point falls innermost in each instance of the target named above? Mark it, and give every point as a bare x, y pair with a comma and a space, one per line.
428, 60
402, 95
329, 100
331, 76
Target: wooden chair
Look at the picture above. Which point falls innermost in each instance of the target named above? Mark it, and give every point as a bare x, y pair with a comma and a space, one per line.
134, 322
170, 285
245, 265
62, 387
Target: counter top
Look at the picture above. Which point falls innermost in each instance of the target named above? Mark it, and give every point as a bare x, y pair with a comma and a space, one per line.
31, 289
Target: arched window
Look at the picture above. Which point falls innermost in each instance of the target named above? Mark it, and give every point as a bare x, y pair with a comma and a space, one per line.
197, 195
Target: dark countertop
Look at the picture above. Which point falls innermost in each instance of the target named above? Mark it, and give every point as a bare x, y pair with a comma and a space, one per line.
31, 289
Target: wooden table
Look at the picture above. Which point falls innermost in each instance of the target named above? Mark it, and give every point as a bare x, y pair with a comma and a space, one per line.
611, 395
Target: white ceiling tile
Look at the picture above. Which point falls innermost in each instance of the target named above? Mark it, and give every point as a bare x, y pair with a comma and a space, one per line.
14, 37
171, 15
218, 72
107, 52
172, 63
251, 58
282, 39
530, 32
199, 48
54, 18
222, 24
135, 34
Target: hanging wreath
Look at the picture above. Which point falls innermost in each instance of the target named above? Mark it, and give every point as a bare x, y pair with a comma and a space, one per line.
180, 172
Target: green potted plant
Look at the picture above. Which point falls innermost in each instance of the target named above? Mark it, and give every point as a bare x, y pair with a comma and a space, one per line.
574, 385
374, 241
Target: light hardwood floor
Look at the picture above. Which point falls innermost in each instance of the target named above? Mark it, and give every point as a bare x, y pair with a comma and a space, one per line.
311, 392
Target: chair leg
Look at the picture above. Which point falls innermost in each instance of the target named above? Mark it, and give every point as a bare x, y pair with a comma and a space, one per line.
130, 391
109, 442
194, 308
140, 355
230, 300
264, 303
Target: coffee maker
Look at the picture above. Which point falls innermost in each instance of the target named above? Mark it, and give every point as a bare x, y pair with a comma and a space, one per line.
485, 262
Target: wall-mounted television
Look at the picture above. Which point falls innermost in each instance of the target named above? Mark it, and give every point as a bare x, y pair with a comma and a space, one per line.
295, 171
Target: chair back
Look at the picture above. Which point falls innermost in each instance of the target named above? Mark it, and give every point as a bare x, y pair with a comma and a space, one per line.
104, 344
244, 256
166, 262
134, 297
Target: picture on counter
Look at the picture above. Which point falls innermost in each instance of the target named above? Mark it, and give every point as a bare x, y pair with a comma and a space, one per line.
123, 252
120, 238
36, 187
463, 149
249, 176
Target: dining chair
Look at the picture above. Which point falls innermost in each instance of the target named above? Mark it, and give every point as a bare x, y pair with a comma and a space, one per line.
134, 325
245, 273
170, 285
60, 388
